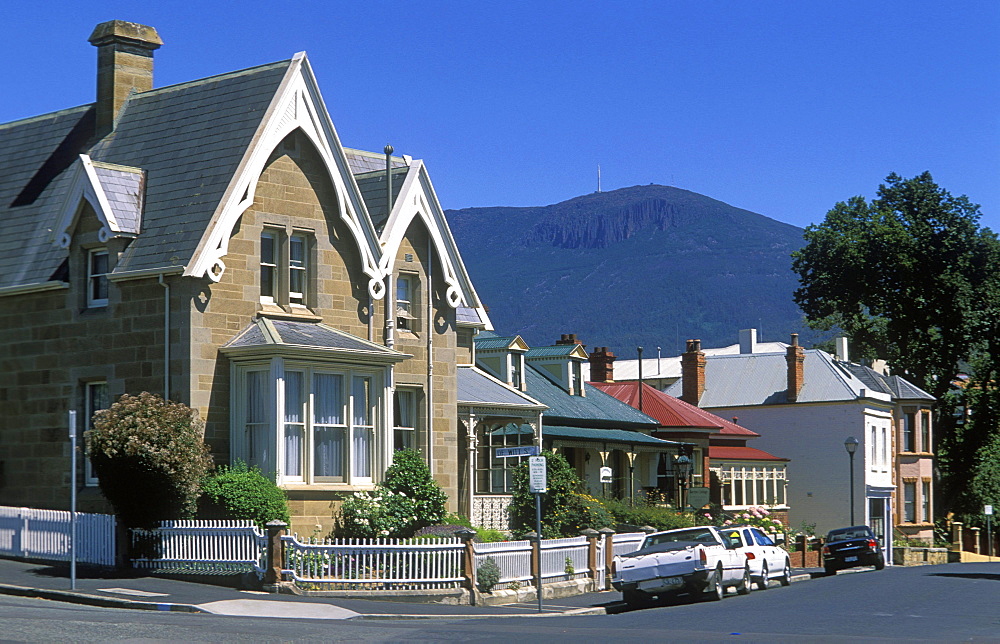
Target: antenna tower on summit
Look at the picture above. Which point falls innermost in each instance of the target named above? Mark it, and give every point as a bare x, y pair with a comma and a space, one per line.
598, 177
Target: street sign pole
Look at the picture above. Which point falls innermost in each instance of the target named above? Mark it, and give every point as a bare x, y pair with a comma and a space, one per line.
72, 499
988, 511
537, 484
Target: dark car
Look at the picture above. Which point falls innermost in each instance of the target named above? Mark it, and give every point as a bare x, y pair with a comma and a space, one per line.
850, 548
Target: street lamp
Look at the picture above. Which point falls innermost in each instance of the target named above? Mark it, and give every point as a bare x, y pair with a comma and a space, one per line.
683, 467
851, 445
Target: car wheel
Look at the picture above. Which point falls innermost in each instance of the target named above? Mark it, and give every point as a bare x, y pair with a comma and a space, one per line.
762, 582
880, 562
786, 576
746, 584
636, 599
830, 570
714, 591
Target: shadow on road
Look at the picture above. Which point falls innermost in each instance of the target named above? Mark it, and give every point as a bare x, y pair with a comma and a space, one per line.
968, 575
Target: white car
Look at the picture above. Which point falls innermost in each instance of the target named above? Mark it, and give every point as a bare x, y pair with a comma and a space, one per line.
766, 559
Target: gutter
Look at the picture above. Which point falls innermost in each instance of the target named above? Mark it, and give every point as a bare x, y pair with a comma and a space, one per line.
36, 287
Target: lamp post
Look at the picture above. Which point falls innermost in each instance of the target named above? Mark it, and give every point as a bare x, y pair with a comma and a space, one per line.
683, 467
851, 445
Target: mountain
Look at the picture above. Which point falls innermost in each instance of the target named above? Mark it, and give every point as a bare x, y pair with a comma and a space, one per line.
642, 266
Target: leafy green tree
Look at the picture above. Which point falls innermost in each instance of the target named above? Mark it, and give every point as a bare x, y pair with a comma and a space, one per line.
150, 458
913, 279
903, 275
566, 509
242, 492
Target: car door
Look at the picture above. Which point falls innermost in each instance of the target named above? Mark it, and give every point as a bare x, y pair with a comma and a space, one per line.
770, 551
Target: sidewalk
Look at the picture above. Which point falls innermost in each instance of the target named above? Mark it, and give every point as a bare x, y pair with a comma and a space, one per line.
139, 590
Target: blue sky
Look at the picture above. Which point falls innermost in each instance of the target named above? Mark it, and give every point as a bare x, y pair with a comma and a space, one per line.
783, 108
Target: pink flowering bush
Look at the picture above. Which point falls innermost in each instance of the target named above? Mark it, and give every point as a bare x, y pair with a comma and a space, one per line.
756, 516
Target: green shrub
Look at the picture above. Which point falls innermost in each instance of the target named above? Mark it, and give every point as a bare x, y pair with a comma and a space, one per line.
408, 499
641, 513
566, 509
150, 458
242, 492
487, 575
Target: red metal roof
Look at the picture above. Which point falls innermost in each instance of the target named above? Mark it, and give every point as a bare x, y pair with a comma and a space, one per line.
671, 412
740, 453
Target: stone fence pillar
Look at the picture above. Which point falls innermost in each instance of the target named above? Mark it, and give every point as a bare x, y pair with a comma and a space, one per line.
956, 536
591, 535
609, 554
275, 555
975, 539
468, 562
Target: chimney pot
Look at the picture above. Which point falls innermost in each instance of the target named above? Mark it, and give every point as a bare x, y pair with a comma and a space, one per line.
602, 368
795, 358
124, 63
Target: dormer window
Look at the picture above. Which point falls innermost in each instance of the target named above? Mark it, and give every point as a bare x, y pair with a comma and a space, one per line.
516, 370
97, 278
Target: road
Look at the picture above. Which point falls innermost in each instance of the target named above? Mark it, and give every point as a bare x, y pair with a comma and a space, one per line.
932, 603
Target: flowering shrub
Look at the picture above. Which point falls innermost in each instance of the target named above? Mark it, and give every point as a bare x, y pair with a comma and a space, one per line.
407, 500
150, 458
756, 516
629, 516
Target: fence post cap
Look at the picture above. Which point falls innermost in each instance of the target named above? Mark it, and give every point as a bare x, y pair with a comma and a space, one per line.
589, 532
532, 536
606, 531
465, 534
276, 523
648, 529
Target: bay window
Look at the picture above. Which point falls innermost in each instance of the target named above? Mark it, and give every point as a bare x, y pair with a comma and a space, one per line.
745, 485
309, 423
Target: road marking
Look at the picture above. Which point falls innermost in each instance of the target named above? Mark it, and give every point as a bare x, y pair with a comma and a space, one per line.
129, 591
277, 608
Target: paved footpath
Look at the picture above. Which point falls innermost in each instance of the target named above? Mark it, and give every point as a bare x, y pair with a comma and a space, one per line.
142, 591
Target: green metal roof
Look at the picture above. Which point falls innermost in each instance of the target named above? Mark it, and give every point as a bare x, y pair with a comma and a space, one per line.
494, 342
591, 435
554, 351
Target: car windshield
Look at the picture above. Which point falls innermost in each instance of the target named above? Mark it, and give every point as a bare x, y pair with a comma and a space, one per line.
847, 533
699, 535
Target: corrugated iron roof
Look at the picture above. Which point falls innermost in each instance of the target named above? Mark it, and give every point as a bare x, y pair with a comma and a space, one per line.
554, 351
595, 409
486, 341
734, 453
669, 411
762, 379
592, 435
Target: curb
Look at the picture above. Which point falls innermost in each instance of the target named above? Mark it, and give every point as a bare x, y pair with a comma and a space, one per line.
91, 600
598, 610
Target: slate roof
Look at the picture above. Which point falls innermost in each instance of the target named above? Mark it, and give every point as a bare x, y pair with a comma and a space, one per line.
762, 379
372, 187
671, 412
596, 409
265, 332
467, 315
188, 138
124, 189
34, 154
896, 386
476, 387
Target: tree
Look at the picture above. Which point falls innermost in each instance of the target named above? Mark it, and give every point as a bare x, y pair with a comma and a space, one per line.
566, 509
150, 458
913, 279
903, 276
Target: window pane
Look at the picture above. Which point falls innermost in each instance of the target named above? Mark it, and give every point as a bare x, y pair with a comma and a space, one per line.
909, 502
925, 433
296, 269
405, 419
98, 268
268, 263
362, 452
256, 418
294, 422
329, 398
329, 452
361, 394
908, 433
927, 501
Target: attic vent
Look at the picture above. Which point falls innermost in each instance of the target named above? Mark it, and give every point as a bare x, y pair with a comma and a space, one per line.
408, 257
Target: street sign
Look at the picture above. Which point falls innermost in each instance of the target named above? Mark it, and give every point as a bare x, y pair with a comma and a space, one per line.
605, 475
698, 497
537, 481
510, 452
988, 509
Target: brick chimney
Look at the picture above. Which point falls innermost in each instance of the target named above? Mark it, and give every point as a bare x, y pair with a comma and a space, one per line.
795, 357
568, 338
602, 368
124, 63
693, 373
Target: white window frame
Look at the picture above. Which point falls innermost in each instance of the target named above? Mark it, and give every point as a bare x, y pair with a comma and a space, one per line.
276, 426
757, 485
909, 504
269, 265
405, 403
926, 495
97, 279
89, 409
909, 438
298, 268
406, 313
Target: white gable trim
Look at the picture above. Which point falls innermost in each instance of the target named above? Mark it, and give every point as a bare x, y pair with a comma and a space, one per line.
84, 184
417, 199
296, 105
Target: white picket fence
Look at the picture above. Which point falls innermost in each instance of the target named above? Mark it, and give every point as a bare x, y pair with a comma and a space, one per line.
45, 534
512, 557
366, 564
201, 546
